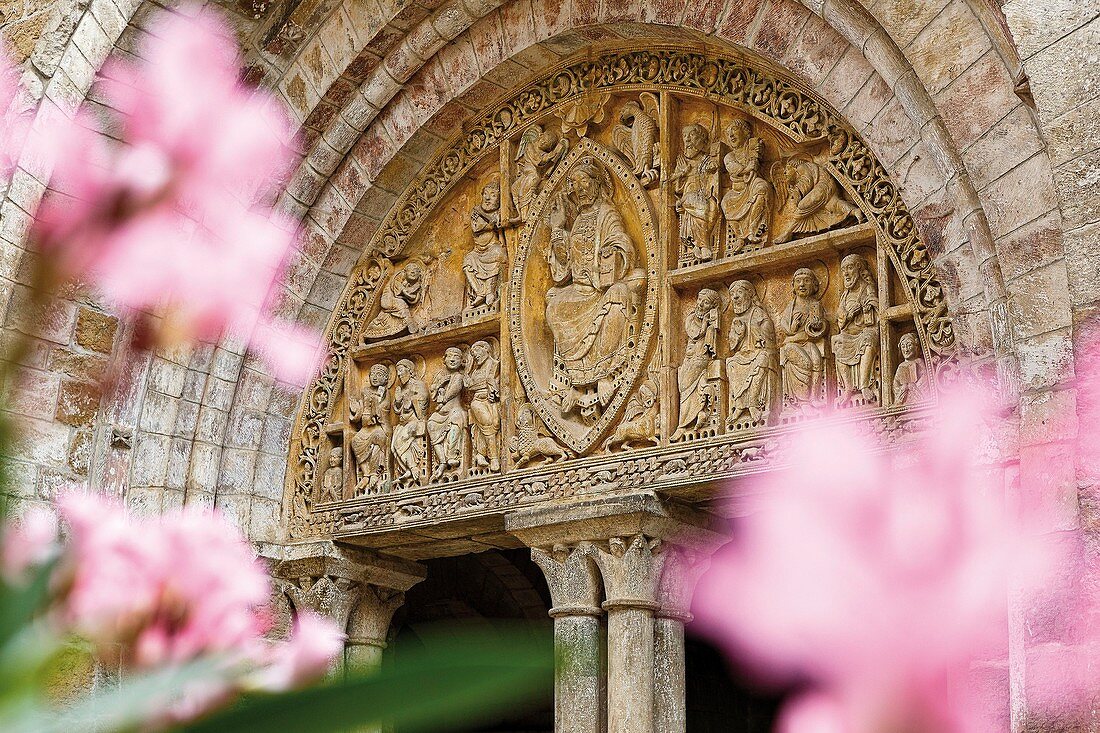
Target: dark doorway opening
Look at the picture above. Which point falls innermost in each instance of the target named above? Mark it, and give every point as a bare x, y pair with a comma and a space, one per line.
717, 700
494, 589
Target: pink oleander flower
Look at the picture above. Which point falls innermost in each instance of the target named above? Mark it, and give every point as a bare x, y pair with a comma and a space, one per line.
874, 580
27, 543
167, 590
173, 217
314, 643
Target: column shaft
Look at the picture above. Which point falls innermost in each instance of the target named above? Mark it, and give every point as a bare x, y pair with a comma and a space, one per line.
629, 669
670, 677
577, 678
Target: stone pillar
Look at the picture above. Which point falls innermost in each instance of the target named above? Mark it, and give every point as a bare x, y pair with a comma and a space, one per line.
682, 568
575, 591
369, 625
630, 567
620, 532
357, 589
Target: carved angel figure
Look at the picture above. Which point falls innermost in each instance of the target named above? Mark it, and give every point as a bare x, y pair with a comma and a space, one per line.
910, 376
802, 328
528, 443
747, 203
482, 383
447, 423
371, 442
592, 303
810, 198
696, 186
699, 376
856, 345
538, 153
407, 289
639, 425
636, 137
332, 483
753, 365
410, 405
482, 264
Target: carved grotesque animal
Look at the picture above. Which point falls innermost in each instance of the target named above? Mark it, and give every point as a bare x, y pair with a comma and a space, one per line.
636, 137
639, 425
528, 444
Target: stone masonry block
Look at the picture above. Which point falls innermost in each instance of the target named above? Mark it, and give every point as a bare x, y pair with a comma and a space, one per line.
96, 331
77, 403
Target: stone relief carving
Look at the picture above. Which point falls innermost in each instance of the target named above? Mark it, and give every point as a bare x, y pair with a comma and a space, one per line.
332, 484
405, 305
483, 264
483, 387
802, 329
370, 444
410, 407
856, 344
593, 302
909, 377
538, 153
747, 202
447, 422
699, 376
639, 426
636, 137
529, 443
578, 114
810, 200
695, 179
575, 355
753, 365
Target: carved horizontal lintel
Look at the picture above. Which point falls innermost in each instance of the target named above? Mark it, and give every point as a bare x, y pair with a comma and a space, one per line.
800, 250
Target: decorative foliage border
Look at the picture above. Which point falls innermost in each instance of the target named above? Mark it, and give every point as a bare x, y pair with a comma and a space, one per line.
725, 79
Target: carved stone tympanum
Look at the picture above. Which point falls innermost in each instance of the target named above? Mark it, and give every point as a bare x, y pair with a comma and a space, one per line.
628, 193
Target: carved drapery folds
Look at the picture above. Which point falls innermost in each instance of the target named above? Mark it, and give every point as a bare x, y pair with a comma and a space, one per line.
609, 262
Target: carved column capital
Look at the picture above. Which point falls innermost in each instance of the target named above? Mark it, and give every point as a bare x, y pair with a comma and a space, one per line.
631, 567
334, 580
683, 566
573, 580
370, 619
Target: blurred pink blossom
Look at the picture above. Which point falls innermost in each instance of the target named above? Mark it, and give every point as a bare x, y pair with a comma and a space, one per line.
878, 578
166, 590
27, 543
313, 645
174, 216
13, 124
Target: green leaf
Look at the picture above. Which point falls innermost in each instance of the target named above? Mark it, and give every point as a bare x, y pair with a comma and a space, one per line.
20, 603
123, 708
455, 680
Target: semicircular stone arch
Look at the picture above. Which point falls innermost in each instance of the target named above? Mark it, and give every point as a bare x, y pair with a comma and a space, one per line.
393, 435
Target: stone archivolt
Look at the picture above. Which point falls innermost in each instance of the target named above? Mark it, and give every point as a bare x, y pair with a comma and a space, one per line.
502, 347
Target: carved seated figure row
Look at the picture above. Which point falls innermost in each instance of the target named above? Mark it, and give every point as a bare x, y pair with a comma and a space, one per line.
425, 433
798, 197
778, 365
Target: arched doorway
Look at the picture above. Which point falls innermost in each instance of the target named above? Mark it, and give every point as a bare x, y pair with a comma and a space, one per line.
494, 589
